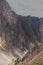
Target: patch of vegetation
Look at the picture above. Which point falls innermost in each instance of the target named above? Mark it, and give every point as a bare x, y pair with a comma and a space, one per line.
16, 62
39, 63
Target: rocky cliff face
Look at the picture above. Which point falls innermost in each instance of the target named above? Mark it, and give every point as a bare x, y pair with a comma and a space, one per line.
18, 34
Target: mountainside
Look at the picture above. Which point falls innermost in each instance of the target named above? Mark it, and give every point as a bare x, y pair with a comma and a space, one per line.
18, 34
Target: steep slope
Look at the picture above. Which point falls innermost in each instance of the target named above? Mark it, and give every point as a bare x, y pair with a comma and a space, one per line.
18, 34
37, 58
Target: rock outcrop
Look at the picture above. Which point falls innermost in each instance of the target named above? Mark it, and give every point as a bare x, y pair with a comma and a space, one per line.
18, 34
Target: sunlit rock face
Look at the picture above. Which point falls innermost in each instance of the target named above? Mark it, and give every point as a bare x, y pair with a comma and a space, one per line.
18, 34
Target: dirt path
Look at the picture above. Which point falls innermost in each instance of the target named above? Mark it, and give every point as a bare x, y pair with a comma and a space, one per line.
36, 58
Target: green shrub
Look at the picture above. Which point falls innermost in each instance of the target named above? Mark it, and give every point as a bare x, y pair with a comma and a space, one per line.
17, 61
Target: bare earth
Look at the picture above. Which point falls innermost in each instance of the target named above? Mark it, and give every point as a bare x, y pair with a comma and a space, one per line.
37, 58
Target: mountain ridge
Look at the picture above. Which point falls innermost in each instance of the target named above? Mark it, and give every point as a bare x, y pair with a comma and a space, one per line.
19, 34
